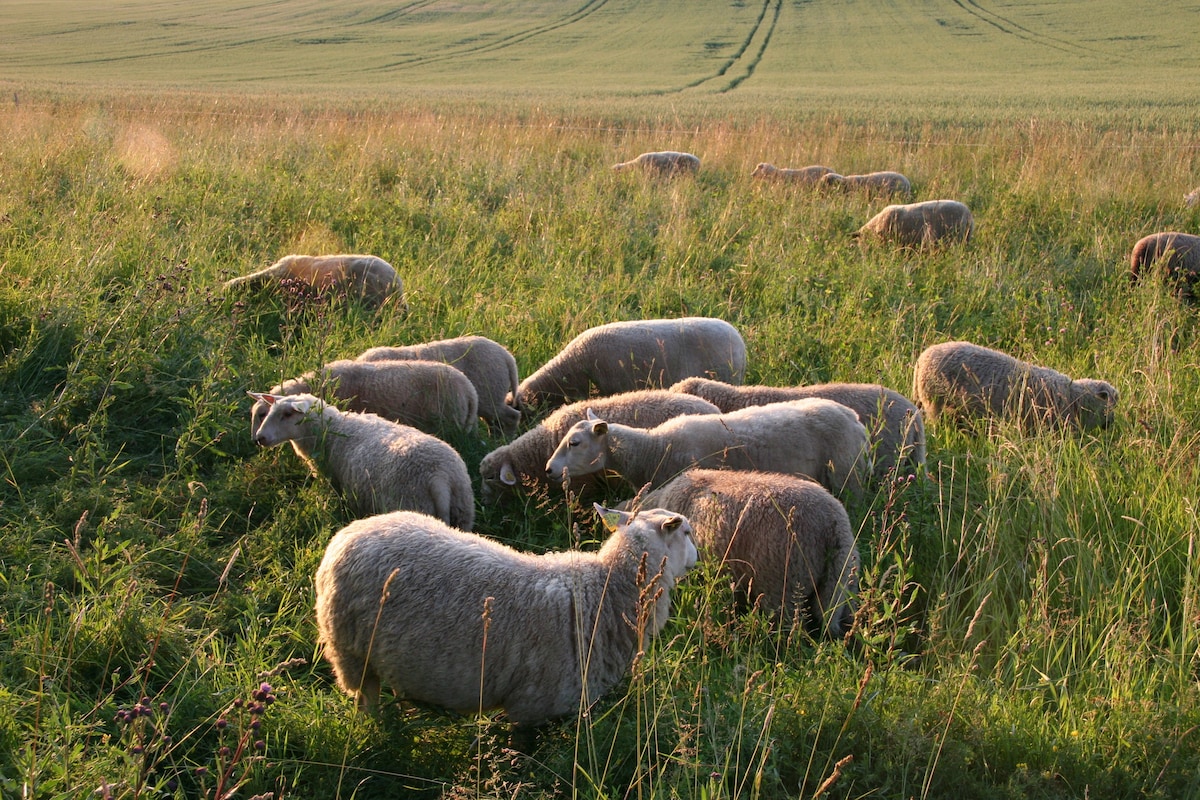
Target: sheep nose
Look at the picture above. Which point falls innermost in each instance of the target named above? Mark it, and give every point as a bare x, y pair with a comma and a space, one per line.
261, 441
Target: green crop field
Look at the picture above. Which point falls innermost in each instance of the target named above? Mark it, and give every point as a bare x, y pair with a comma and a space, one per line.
1028, 618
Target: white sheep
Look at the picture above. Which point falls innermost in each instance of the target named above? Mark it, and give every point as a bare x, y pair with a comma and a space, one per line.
466, 623
968, 381
368, 278
638, 354
924, 224
786, 541
810, 175
524, 459
428, 395
378, 465
873, 183
892, 420
1178, 254
489, 366
816, 438
664, 162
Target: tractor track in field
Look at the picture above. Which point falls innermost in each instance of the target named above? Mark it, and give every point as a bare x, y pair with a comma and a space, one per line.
1008, 26
733, 60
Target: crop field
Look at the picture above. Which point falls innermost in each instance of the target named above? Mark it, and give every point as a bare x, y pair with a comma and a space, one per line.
1028, 618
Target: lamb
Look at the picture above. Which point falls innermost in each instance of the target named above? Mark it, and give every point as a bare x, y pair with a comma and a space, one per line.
367, 278
968, 381
428, 395
785, 541
814, 437
489, 366
810, 175
893, 422
524, 459
378, 465
466, 623
874, 183
641, 354
1179, 254
665, 162
924, 224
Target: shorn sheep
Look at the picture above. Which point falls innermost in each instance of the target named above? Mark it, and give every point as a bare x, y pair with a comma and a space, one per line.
1179, 257
892, 420
378, 465
466, 623
523, 460
874, 183
815, 438
640, 354
925, 224
428, 395
367, 278
786, 541
489, 366
663, 162
811, 175
970, 381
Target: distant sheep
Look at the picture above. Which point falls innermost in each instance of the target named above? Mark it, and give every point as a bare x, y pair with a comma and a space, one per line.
925, 224
786, 541
378, 465
641, 354
428, 395
487, 364
524, 459
893, 422
811, 175
665, 162
1179, 254
367, 278
816, 438
970, 381
1192, 198
874, 183
466, 623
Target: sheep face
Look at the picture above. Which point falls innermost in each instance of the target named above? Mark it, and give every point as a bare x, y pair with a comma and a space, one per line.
583, 451
1094, 402
284, 417
666, 537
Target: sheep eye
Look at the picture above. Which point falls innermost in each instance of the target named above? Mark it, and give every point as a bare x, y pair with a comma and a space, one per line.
288, 413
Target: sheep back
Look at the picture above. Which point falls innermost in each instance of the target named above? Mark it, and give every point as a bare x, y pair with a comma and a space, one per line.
811, 175
364, 277
662, 162
924, 224
873, 183
1179, 257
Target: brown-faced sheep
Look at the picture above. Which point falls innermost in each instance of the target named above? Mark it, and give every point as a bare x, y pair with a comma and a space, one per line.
811, 175
1178, 254
367, 278
924, 224
664, 162
639, 354
466, 623
872, 183
378, 465
970, 381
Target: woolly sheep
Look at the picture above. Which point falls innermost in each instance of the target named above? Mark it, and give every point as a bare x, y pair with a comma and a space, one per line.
368, 278
487, 364
785, 541
640, 354
466, 623
893, 422
816, 438
1179, 254
524, 459
428, 395
379, 465
809, 175
922, 224
967, 380
665, 162
876, 183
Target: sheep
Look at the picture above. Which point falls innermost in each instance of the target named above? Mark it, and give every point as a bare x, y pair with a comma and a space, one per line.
665, 162
875, 183
810, 175
489, 366
524, 459
894, 423
814, 437
428, 395
785, 541
924, 224
1192, 198
468, 624
640, 354
1179, 254
367, 278
378, 465
968, 381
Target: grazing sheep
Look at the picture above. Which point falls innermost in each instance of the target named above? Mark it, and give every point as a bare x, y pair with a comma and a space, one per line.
893, 422
1192, 198
367, 278
874, 183
428, 395
816, 438
380, 466
524, 459
466, 623
785, 541
1179, 254
640, 354
666, 162
923, 224
967, 380
811, 175
487, 364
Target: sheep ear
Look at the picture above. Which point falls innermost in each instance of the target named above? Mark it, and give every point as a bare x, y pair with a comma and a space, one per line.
507, 476
599, 427
611, 517
672, 523
269, 399
589, 414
